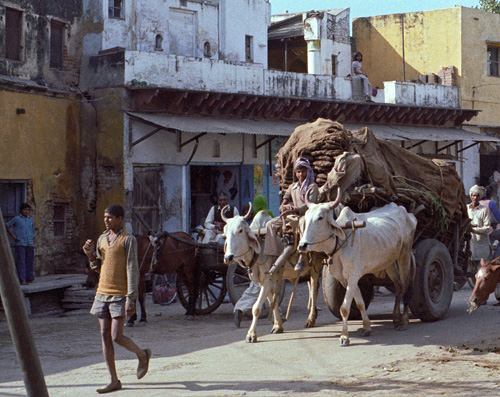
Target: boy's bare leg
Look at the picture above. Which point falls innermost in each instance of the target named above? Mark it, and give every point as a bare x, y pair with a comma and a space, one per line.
118, 337
108, 351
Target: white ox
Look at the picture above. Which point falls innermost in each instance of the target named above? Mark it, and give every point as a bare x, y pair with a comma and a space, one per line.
384, 245
243, 246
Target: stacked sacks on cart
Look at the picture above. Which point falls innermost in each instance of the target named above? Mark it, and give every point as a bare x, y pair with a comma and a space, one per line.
383, 173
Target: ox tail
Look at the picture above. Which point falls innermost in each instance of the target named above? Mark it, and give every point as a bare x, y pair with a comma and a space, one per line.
291, 298
409, 291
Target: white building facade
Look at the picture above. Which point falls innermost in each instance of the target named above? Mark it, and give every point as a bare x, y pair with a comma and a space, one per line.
185, 105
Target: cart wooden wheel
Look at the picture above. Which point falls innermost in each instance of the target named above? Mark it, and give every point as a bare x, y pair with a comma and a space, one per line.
433, 284
211, 289
238, 281
334, 293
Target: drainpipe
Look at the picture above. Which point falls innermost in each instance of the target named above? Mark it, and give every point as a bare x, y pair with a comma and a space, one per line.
403, 45
286, 54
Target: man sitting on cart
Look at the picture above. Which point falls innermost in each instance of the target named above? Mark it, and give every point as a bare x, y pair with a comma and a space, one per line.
294, 203
214, 225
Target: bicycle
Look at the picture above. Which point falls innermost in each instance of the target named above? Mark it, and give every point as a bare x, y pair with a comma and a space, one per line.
164, 289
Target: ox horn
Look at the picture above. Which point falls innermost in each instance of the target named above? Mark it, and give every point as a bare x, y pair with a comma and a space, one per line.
222, 213
337, 199
248, 215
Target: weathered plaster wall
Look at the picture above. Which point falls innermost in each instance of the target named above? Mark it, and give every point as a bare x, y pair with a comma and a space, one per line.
161, 148
336, 41
208, 75
102, 160
41, 147
244, 17
421, 94
35, 42
143, 20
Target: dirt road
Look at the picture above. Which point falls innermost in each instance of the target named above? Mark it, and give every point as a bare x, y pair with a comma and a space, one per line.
207, 356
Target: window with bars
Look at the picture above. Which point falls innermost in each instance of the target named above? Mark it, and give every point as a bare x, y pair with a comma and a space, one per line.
115, 9
56, 44
59, 220
492, 61
13, 34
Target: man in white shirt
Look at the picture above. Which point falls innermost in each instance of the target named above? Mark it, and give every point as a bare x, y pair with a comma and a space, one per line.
214, 224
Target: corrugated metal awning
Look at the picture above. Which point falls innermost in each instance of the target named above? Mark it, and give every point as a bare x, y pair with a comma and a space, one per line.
435, 134
199, 125
219, 126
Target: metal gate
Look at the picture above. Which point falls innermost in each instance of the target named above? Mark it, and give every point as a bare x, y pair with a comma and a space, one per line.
147, 199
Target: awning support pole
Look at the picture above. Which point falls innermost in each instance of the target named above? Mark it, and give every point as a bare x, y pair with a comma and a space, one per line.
447, 146
145, 137
416, 144
467, 147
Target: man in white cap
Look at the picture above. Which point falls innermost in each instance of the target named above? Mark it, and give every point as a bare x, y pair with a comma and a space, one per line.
480, 222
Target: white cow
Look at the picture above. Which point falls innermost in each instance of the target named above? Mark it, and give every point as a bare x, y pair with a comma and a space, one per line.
243, 246
384, 245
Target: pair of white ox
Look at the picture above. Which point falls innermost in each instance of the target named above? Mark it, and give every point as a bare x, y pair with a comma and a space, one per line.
383, 247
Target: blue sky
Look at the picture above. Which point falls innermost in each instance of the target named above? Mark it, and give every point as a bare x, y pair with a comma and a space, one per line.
365, 8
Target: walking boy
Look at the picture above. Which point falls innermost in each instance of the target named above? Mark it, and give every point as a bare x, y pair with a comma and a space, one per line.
116, 261
22, 230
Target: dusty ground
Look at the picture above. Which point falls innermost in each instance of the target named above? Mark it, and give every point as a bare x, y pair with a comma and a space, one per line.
208, 356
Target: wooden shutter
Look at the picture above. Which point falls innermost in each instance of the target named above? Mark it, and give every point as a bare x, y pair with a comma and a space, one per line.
56, 44
147, 199
13, 24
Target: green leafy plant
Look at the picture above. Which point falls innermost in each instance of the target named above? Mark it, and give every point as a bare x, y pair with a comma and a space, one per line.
441, 220
136, 83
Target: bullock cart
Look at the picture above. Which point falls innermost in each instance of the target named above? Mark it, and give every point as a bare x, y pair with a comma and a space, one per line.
365, 172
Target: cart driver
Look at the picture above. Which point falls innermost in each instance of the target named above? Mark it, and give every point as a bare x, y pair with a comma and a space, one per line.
214, 225
294, 202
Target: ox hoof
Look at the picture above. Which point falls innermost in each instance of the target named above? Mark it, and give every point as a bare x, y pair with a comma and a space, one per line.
129, 324
251, 339
277, 330
310, 323
142, 323
365, 332
344, 341
401, 327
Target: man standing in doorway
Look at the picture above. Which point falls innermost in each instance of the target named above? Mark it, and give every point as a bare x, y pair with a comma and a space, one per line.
116, 261
22, 230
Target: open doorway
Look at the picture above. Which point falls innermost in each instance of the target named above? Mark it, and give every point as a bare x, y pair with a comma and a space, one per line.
206, 182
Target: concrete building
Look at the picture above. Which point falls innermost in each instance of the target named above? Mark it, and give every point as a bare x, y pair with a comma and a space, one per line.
456, 47
40, 51
171, 125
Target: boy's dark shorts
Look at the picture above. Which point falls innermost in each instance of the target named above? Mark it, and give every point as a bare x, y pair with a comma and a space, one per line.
108, 309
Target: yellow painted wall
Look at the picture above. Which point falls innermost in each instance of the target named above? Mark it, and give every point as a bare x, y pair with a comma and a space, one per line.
478, 90
434, 39
431, 41
41, 147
